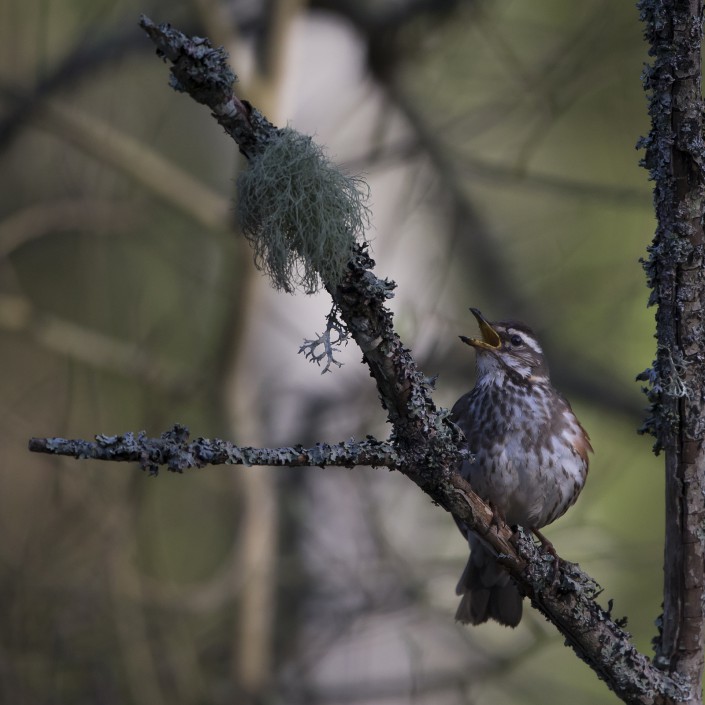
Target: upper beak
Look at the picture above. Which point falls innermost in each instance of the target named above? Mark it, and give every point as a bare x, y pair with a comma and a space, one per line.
490, 339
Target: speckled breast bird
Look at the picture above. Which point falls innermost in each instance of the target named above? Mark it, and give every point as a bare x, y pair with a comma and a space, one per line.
531, 457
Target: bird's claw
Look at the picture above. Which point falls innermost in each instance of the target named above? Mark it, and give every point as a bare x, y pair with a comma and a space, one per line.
548, 547
498, 518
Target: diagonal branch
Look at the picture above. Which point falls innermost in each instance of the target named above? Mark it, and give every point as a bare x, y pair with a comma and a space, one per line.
425, 446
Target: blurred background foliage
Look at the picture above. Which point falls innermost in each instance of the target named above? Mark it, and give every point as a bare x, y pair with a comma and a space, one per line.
498, 140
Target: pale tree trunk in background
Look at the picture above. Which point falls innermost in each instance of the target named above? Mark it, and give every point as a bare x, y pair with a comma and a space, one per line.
258, 525
675, 158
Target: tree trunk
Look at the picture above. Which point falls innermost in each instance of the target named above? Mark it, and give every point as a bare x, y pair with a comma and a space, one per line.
675, 159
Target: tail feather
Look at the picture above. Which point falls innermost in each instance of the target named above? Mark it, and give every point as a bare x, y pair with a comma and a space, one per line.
487, 591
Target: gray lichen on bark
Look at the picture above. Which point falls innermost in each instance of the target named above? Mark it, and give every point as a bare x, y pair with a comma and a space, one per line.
174, 450
675, 155
675, 158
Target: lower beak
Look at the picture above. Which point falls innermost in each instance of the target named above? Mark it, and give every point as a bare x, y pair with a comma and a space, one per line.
490, 338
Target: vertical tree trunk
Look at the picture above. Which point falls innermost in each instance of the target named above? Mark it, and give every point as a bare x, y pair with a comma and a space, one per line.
675, 159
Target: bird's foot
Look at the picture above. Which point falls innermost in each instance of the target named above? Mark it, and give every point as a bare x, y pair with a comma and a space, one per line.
547, 546
498, 517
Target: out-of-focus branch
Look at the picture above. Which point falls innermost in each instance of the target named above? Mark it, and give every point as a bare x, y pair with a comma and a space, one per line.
85, 59
58, 335
475, 242
138, 161
481, 169
44, 218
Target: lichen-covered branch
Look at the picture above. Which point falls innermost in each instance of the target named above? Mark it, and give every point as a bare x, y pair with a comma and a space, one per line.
422, 430
203, 72
675, 158
174, 450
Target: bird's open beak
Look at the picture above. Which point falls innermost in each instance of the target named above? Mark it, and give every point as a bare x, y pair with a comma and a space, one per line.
490, 339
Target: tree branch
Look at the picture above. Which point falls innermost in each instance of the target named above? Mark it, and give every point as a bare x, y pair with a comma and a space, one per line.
173, 450
424, 445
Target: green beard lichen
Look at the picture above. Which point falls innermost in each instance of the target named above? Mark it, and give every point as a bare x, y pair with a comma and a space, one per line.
301, 214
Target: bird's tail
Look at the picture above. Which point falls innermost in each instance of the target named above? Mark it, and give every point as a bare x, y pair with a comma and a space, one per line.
487, 591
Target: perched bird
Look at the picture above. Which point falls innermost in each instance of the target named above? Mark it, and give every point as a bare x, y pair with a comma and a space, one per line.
531, 457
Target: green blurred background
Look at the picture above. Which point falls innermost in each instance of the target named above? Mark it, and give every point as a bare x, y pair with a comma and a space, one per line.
498, 141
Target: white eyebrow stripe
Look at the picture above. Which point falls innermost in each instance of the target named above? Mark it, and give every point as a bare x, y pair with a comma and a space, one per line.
528, 340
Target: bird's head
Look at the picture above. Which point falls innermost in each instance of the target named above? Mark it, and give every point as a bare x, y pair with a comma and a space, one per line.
507, 348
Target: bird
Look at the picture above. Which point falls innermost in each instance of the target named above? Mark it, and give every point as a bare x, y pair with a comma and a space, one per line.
530, 458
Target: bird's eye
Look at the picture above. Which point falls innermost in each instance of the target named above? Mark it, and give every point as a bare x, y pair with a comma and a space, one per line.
516, 341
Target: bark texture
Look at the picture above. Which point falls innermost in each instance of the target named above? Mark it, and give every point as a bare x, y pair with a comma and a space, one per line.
675, 158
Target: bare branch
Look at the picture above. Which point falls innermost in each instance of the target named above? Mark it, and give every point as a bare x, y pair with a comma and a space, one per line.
137, 160
18, 314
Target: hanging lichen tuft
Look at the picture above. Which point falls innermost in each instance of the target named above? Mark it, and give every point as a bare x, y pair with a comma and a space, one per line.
301, 214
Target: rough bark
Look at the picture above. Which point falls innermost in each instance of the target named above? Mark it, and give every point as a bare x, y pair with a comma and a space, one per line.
675, 158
